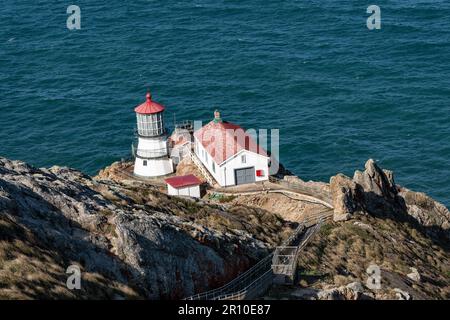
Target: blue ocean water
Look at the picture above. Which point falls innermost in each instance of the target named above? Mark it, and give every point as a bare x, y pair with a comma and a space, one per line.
338, 92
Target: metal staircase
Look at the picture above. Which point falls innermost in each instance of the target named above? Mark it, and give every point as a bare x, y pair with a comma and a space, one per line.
258, 279
284, 261
205, 173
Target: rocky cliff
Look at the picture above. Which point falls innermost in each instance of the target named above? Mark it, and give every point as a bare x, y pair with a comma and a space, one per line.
401, 235
374, 192
133, 241
130, 240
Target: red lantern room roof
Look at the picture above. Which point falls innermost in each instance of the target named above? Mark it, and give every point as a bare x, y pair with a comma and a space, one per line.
149, 106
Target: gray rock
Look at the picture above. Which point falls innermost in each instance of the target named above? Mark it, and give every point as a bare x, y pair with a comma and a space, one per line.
414, 275
330, 294
160, 254
426, 210
356, 287
375, 180
351, 291
345, 196
401, 294
374, 191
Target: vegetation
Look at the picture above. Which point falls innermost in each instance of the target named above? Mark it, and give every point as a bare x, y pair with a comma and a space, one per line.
29, 270
344, 251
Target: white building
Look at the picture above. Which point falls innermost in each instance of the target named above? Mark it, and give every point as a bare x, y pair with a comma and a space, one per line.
188, 185
151, 155
230, 154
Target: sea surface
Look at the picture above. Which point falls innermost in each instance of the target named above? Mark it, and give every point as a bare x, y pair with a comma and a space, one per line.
338, 92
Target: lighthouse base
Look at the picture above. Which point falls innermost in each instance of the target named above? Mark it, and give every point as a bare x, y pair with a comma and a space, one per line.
152, 167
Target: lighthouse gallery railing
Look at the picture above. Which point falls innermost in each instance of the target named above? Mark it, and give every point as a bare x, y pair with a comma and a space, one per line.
149, 154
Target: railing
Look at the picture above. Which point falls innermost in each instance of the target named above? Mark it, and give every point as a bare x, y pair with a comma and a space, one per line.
185, 124
284, 260
307, 190
209, 178
253, 290
150, 133
256, 280
150, 154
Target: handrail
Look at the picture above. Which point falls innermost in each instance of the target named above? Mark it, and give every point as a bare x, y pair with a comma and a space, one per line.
153, 153
235, 282
150, 133
228, 290
307, 190
185, 124
209, 178
244, 292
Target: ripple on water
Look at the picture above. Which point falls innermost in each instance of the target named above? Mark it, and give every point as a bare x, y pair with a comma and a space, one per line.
338, 93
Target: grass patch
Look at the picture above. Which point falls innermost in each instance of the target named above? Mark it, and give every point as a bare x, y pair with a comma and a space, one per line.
326, 229
225, 199
222, 198
361, 233
310, 273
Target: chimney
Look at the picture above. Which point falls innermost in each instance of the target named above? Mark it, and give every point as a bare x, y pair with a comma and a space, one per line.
217, 116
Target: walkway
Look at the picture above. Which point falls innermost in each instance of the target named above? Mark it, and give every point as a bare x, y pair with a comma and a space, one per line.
258, 279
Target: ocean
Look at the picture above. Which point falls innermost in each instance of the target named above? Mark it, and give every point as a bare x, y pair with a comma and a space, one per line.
338, 92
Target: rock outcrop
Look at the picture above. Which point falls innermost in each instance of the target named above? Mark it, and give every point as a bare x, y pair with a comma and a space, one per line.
346, 197
414, 275
425, 210
352, 291
374, 191
376, 181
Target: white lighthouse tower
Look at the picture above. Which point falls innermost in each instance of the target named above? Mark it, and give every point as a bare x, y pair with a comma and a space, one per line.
152, 158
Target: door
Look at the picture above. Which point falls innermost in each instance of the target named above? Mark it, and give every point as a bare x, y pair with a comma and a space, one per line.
244, 175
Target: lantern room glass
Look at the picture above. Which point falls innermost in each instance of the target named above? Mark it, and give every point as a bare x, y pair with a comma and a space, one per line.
150, 125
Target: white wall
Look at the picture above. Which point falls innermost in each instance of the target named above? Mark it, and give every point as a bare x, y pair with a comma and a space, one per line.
191, 191
154, 167
224, 174
155, 143
148, 147
252, 160
200, 152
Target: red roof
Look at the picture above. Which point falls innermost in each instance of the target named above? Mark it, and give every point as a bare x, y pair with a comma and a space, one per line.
183, 181
222, 140
149, 106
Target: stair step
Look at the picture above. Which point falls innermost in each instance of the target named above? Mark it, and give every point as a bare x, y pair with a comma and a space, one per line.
209, 178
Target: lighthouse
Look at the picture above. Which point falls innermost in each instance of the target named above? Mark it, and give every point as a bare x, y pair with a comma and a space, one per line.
152, 158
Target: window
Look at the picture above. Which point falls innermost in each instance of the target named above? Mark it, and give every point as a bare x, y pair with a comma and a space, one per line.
214, 167
150, 125
145, 163
243, 159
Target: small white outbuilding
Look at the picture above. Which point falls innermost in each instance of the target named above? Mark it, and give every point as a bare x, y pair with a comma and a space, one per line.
188, 185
